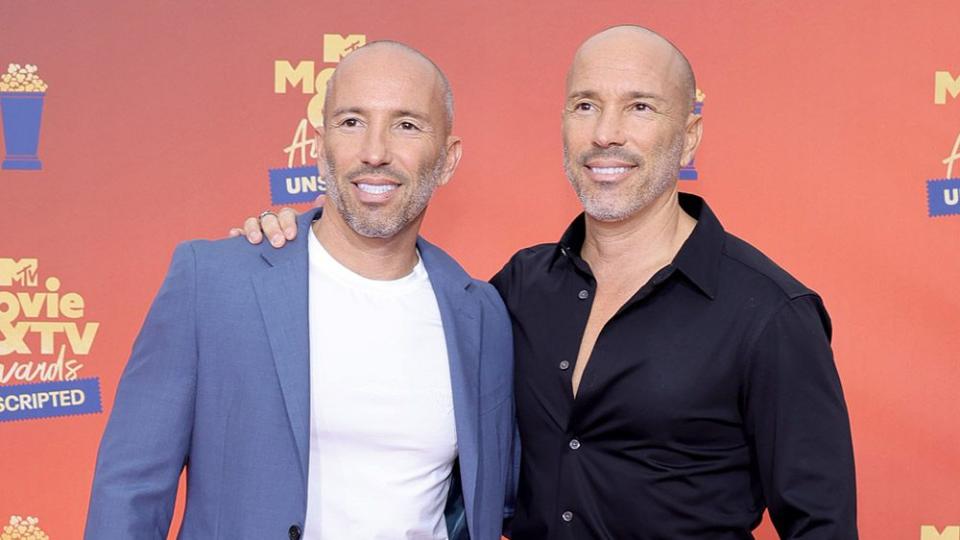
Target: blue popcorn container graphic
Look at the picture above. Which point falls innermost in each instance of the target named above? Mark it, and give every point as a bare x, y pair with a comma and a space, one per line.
689, 172
21, 128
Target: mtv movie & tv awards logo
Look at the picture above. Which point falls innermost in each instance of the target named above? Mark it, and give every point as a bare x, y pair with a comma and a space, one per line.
299, 181
21, 106
943, 194
43, 341
689, 172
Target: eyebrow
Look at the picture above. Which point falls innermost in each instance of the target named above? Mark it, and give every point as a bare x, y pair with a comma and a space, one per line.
590, 94
398, 114
415, 115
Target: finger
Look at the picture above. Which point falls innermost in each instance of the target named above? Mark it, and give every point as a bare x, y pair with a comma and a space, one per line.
288, 221
234, 232
271, 229
251, 229
320, 201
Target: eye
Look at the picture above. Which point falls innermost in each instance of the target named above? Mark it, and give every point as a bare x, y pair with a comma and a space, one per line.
583, 106
409, 126
641, 107
349, 122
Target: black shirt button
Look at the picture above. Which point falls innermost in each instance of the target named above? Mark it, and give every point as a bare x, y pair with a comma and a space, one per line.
583, 294
295, 532
574, 444
567, 516
564, 365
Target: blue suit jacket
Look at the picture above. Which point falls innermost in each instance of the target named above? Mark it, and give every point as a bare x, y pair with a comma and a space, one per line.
218, 382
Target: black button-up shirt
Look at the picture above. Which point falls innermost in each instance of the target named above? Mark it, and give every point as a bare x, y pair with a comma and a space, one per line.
710, 395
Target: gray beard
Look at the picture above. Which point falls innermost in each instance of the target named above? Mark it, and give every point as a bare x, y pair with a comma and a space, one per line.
661, 177
391, 225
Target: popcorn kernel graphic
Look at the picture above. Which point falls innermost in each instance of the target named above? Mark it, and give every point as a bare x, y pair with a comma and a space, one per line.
23, 529
22, 79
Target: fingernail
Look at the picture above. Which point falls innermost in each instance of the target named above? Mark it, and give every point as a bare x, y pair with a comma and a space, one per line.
276, 239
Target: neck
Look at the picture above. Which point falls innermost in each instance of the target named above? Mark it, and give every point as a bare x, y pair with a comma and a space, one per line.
650, 238
373, 258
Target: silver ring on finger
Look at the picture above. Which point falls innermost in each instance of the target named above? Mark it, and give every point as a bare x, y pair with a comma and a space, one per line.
266, 213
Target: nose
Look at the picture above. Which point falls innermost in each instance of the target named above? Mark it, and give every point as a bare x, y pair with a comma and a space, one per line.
608, 130
375, 149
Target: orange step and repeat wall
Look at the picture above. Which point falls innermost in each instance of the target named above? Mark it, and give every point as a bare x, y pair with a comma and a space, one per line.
831, 134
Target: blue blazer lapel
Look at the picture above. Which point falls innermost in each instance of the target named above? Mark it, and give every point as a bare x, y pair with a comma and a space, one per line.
282, 294
461, 318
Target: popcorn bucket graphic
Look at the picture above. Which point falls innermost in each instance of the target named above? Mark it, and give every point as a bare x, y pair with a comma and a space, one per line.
21, 128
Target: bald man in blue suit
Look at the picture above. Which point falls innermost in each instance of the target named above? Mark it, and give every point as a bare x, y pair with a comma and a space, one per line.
218, 382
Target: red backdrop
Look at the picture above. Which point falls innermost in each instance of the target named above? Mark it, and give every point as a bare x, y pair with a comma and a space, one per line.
162, 120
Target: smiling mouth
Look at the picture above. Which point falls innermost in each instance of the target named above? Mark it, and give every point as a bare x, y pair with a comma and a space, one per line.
376, 189
609, 170
609, 173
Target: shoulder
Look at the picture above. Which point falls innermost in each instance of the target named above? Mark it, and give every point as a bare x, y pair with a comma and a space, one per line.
749, 266
533, 257
770, 292
228, 255
527, 261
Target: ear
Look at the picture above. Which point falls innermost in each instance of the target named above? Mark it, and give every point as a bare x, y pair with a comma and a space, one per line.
691, 138
454, 153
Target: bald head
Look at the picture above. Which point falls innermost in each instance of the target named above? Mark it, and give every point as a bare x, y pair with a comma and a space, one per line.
645, 49
385, 53
628, 122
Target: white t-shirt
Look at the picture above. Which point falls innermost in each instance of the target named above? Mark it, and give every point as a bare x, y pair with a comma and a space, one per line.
382, 432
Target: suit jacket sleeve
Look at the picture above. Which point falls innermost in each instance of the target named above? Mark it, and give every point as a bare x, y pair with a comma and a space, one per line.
147, 439
501, 282
797, 421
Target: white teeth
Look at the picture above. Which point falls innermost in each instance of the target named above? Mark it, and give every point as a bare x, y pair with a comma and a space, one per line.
610, 170
376, 189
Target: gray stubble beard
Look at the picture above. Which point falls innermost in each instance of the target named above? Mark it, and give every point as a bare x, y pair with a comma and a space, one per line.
662, 177
384, 228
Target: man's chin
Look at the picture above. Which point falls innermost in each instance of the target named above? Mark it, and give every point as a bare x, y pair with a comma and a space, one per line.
372, 231
606, 216
372, 228
606, 211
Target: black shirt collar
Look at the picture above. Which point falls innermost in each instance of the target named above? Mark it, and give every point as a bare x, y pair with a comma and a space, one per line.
698, 258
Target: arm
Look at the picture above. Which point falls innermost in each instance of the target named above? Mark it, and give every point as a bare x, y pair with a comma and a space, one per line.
147, 439
501, 282
797, 423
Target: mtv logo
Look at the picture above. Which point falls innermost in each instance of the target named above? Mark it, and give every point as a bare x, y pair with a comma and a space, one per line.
943, 83
335, 46
22, 271
930, 532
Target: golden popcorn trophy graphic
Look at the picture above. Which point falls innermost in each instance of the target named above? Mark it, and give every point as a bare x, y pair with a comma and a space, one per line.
23, 529
21, 104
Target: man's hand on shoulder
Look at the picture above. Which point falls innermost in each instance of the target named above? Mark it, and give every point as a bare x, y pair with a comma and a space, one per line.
277, 227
